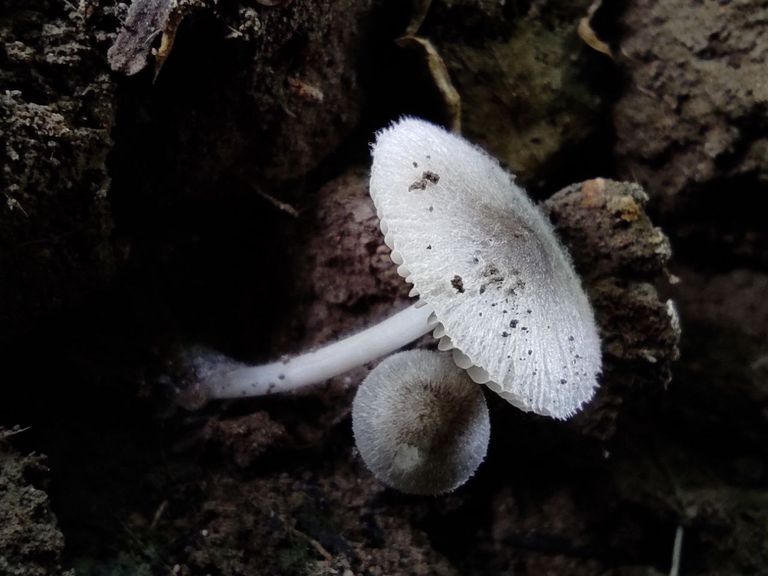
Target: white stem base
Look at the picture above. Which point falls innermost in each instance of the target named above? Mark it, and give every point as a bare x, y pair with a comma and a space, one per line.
324, 363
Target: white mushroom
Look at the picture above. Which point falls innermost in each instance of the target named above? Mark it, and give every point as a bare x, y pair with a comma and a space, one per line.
493, 283
487, 262
420, 424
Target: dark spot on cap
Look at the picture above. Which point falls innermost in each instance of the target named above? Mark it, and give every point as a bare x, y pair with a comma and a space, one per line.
563, 381
415, 165
482, 289
571, 338
431, 208
530, 352
458, 284
429, 246
513, 324
504, 334
427, 178
281, 376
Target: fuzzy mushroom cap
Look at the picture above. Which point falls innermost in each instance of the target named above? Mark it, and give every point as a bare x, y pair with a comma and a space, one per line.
420, 423
480, 253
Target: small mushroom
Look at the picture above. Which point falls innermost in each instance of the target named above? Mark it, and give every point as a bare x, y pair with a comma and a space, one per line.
420, 424
493, 283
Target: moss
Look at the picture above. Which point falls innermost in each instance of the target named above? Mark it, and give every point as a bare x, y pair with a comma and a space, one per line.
531, 102
523, 80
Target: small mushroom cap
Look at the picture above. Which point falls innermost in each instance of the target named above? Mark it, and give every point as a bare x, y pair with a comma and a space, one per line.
487, 261
420, 423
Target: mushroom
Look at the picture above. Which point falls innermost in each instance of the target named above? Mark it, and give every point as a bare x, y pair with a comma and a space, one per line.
486, 260
493, 282
420, 424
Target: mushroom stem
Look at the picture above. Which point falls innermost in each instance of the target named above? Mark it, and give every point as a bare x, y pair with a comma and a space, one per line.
237, 380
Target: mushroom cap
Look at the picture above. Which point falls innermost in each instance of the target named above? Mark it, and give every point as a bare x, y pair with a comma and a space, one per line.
420, 423
487, 261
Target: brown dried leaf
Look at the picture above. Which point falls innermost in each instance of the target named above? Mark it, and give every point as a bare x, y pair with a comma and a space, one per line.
146, 19
440, 75
587, 33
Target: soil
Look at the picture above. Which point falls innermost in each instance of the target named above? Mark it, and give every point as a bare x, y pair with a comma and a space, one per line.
211, 189
31, 543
